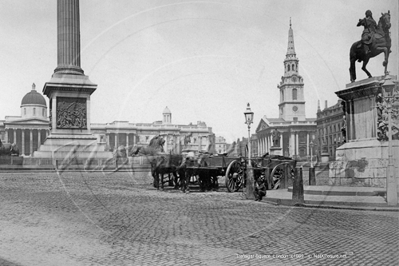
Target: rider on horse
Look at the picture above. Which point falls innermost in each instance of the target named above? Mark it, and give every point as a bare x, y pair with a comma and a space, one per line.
370, 28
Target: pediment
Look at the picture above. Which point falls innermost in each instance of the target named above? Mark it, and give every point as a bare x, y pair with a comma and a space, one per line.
262, 125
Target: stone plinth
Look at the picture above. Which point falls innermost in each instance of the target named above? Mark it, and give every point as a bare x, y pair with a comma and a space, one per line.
276, 151
61, 146
363, 159
325, 157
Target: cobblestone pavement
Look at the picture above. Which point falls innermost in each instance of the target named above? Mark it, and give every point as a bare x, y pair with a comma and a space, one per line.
119, 219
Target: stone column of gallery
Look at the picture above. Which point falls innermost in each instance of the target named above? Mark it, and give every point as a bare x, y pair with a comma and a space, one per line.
69, 89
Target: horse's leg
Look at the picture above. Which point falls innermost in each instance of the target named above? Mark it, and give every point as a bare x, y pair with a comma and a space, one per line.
156, 180
170, 181
385, 63
385, 50
352, 70
187, 181
161, 173
365, 61
176, 179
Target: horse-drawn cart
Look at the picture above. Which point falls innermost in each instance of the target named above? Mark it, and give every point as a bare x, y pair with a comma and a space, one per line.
205, 170
270, 172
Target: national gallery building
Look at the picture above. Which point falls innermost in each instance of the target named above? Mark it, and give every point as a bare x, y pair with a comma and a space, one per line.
31, 128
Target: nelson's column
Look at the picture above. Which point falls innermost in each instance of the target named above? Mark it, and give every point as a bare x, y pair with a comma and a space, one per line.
69, 91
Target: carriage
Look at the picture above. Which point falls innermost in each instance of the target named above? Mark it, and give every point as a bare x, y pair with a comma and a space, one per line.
204, 169
269, 171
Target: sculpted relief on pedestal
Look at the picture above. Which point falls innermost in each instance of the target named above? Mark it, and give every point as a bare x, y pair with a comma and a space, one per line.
71, 113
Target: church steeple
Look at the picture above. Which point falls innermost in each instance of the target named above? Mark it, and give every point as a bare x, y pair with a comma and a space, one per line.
292, 101
291, 61
291, 46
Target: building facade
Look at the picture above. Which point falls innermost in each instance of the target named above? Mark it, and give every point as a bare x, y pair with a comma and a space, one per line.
29, 130
296, 133
220, 145
330, 128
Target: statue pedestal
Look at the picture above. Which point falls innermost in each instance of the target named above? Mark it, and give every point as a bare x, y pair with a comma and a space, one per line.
276, 151
325, 157
363, 159
70, 133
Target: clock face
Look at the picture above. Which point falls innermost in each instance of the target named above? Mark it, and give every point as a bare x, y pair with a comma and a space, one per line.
294, 108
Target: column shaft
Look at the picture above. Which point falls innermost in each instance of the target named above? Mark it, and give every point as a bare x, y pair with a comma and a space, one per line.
31, 141
23, 142
68, 41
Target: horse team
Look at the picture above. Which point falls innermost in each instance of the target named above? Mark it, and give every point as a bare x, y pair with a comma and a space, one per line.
181, 170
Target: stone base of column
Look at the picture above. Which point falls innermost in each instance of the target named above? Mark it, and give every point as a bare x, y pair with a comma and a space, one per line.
81, 146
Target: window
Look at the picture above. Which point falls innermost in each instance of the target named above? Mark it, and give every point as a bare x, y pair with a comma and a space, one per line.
295, 119
288, 67
293, 67
294, 94
24, 111
34, 111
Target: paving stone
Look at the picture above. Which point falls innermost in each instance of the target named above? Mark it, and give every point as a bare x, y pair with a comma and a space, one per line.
77, 218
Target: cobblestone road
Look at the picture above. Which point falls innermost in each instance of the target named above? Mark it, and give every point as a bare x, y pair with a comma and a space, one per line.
119, 219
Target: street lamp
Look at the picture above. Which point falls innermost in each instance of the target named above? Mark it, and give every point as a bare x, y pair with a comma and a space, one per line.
391, 183
311, 153
312, 171
249, 117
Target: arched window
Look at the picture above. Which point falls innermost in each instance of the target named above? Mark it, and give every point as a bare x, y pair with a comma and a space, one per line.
288, 67
293, 67
34, 111
294, 94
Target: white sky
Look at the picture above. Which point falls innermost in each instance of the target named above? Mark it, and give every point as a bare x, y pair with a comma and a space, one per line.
203, 59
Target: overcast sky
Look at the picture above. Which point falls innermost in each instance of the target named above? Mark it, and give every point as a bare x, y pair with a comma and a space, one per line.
203, 59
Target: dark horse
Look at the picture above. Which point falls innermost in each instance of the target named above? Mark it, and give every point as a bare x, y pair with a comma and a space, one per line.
381, 43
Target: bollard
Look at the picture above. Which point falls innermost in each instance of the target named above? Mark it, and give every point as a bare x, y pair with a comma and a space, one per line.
268, 178
312, 176
297, 190
283, 178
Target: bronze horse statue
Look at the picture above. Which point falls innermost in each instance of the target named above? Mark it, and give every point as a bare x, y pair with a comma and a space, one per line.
153, 148
381, 42
121, 153
9, 149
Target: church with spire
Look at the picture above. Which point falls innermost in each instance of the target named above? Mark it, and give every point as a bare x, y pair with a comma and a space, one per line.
292, 133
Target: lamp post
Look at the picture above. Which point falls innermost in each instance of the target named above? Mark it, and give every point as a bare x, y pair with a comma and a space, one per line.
311, 153
312, 173
249, 193
391, 183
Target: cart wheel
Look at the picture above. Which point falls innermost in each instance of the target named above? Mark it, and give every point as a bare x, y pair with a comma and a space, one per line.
234, 176
277, 175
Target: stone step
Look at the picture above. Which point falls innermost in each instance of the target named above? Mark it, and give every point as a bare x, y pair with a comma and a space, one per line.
342, 191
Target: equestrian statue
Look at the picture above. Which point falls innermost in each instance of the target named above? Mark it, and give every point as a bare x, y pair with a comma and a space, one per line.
375, 40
